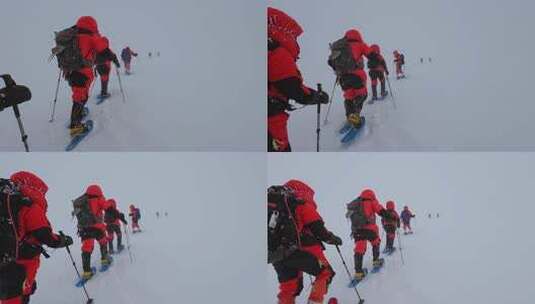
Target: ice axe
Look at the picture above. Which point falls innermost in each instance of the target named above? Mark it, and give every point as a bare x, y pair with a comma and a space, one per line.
89, 300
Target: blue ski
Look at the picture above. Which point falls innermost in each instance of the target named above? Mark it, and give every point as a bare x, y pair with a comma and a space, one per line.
353, 132
78, 138
102, 98
104, 268
81, 282
354, 282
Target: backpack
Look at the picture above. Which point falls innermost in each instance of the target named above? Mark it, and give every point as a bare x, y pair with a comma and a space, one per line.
393, 218
355, 212
11, 201
341, 58
283, 238
68, 52
111, 215
125, 55
82, 211
138, 213
402, 58
373, 61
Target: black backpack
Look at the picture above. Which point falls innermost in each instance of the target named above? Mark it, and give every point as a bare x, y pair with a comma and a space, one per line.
111, 215
402, 58
68, 52
283, 238
11, 201
355, 212
341, 58
373, 61
82, 211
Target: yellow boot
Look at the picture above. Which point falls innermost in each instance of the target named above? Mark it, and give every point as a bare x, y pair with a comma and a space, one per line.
355, 120
86, 275
77, 130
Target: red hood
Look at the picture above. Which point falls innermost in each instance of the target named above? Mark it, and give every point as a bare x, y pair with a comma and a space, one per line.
285, 30
112, 202
94, 190
375, 48
353, 35
31, 186
368, 194
390, 205
302, 191
87, 23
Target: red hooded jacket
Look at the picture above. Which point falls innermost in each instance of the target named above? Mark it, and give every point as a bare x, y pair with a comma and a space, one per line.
284, 78
394, 216
98, 204
33, 225
309, 221
370, 206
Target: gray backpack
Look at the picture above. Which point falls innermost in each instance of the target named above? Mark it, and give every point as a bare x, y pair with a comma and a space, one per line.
341, 59
68, 52
355, 212
82, 211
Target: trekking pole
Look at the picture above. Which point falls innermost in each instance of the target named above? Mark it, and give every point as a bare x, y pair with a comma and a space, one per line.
89, 300
55, 98
391, 93
326, 120
400, 249
361, 300
128, 244
318, 122
120, 84
23, 135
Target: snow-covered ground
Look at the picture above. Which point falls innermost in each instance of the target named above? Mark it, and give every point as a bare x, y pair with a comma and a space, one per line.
197, 96
209, 249
473, 96
478, 251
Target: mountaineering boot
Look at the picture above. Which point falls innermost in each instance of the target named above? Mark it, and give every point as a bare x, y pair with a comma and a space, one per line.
378, 262
355, 120
78, 129
86, 275
359, 272
111, 251
383, 90
86, 265
374, 92
104, 88
120, 247
77, 114
349, 106
105, 258
375, 250
86, 261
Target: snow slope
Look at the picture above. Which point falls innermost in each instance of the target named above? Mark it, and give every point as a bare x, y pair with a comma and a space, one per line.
196, 97
200, 253
471, 97
478, 251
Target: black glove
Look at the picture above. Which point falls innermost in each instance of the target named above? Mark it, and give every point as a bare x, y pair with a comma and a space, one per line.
320, 97
64, 241
334, 240
116, 62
